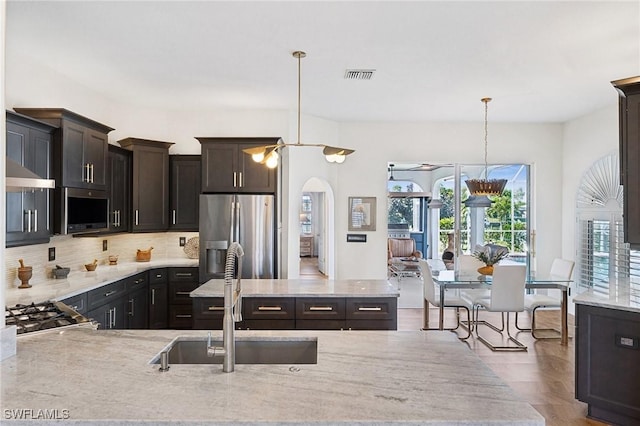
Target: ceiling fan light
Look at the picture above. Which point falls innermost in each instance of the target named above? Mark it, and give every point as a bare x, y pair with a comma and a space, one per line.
258, 157
340, 158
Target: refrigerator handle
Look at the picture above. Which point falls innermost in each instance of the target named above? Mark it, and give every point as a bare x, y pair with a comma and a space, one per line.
236, 226
232, 228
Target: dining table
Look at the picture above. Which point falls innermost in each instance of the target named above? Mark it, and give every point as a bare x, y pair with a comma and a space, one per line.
464, 280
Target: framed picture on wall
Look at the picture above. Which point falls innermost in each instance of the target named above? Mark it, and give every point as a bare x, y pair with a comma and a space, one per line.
362, 213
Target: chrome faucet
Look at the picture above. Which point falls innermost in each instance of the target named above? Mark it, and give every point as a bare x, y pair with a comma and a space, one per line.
232, 309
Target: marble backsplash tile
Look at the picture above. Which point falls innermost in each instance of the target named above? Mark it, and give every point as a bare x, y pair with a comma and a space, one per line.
76, 252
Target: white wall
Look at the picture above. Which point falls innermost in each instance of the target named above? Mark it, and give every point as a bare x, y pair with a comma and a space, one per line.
586, 140
365, 172
378, 143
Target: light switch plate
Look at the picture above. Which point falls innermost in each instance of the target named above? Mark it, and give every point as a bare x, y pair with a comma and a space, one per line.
183, 241
52, 254
105, 245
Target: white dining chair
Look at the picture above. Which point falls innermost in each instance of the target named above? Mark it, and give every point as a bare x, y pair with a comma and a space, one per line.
507, 295
468, 265
432, 297
562, 270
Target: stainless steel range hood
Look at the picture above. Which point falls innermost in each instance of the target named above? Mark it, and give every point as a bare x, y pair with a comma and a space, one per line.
19, 178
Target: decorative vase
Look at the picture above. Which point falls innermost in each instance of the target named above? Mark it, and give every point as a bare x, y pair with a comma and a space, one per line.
486, 270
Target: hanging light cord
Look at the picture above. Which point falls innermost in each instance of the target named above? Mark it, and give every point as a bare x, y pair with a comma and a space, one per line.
299, 55
486, 136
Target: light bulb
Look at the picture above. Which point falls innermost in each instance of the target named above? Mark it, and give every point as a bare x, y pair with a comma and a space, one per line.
258, 157
272, 160
340, 158
331, 158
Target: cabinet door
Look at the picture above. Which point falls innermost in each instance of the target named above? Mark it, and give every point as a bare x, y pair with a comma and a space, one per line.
137, 309
158, 305
150, 189
254, 177
119, 172
95, 152
220, 167
27, 212
109, 316
184, 196
74, 167
631, 172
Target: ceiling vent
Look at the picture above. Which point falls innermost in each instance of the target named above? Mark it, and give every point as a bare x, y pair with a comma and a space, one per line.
359, 74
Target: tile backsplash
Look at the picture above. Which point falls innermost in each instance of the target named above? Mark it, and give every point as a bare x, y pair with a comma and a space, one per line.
76, 252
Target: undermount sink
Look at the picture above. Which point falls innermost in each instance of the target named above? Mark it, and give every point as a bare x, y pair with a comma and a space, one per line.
249, 350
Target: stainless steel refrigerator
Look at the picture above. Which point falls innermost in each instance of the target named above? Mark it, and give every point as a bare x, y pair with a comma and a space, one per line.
246, 218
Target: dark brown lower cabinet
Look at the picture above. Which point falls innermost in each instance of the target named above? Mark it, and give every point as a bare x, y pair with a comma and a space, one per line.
303, 313
608, 363
158, 299
182, 281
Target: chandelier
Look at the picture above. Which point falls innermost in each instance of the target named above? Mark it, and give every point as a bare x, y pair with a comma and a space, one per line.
486, 186
268, 154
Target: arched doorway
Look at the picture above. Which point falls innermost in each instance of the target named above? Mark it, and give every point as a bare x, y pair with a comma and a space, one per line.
316, 229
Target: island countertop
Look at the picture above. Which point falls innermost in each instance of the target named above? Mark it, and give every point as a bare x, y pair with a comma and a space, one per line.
301, 288
622, 296
381, 377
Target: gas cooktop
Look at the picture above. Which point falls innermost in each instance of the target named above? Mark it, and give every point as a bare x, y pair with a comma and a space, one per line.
42, 317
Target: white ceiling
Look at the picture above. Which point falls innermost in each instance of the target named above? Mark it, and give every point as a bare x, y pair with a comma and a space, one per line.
541, 61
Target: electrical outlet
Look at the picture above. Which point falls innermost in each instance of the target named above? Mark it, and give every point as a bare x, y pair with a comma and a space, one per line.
183, 241
52, 254
104, 245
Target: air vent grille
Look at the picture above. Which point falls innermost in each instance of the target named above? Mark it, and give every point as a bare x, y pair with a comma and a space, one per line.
359, 74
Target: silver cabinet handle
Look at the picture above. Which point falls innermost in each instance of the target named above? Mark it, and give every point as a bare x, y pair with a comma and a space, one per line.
216, 308
114, 317
119, 218
183, 293
183, 316
184, 274
85, 175
35, 220
174, 216
241, 180
109, 293
92, 175
269, 308
136, 216
132, 303
28, 212
235, 179
153, 296
321, 308
377, 308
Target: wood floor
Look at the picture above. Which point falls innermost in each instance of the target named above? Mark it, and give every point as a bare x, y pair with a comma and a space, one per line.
309, 268
543, 376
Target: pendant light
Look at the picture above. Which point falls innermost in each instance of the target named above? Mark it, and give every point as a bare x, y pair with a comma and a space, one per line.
268, 154
486, 186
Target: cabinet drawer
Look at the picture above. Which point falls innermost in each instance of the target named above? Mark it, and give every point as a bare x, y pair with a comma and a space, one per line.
183, 274
208, 308
105, 294
268, 308
179, 292
320, 324
157, 276
136, 282
371, 308
261, 324
328, 308
180, 316
77, 303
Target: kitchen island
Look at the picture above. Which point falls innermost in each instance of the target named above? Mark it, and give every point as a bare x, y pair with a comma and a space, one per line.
303, 304
607, 353
382, 377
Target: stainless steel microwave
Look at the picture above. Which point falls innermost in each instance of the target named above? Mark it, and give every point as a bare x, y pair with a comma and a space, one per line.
85, 210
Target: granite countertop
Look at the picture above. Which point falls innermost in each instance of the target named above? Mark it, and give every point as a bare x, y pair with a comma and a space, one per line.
301, 288
623, 295
78, 282
382, 377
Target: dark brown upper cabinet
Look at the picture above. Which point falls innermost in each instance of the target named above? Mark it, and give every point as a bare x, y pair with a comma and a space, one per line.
28, 217
119, 176
226, 169
150, 184
184, 193
629, 123
79, 149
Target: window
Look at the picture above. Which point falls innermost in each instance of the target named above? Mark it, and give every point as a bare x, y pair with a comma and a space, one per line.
405, 210
306, 227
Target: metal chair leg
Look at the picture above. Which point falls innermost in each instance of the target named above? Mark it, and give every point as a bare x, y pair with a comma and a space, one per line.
557, 334
519, 345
